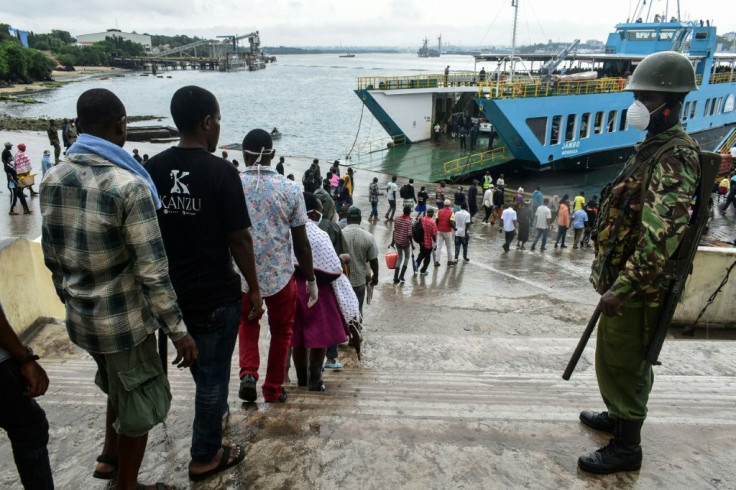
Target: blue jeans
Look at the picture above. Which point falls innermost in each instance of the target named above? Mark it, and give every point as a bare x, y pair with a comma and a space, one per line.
374, 210
543, 233
28, 430
215, 334
461, 241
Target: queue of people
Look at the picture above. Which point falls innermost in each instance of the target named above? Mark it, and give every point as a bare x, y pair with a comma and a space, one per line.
200, 275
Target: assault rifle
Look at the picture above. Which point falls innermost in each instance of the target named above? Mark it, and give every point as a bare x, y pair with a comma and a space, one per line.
680, 265
677, 268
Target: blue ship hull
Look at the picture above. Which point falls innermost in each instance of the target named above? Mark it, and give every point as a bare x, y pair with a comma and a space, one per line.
527, 127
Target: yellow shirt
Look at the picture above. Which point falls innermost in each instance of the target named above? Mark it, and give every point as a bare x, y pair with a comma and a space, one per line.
579, 203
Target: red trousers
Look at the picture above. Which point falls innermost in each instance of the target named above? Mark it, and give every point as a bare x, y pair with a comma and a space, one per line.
281, 310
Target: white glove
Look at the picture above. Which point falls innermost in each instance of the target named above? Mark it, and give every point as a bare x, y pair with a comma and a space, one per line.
313, 293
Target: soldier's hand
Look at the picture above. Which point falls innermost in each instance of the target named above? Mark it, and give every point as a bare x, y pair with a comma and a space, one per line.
186, 352
610, 304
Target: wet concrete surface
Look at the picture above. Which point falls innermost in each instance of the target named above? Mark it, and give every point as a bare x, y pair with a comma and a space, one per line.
459, 387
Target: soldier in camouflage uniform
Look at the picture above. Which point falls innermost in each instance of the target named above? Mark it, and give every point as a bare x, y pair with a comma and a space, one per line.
643, 215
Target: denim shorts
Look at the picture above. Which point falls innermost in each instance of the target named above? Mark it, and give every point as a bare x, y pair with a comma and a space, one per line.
136, 386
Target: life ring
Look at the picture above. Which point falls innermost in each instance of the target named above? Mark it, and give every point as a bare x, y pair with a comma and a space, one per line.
518, 90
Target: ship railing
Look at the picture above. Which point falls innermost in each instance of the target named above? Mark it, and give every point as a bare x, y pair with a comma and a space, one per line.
435, 80
465, 163
723, 77
513, 90
378, 144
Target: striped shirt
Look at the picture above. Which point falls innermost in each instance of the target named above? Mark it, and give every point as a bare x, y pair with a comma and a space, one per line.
102, 243
430, 231
402, 231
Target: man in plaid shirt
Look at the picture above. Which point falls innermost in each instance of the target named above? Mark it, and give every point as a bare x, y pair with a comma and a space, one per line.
102, 243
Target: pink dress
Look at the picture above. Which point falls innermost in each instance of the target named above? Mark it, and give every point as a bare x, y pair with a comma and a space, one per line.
322, 325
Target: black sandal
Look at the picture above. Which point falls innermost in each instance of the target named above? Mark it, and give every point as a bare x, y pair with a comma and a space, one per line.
107, 475
222, 466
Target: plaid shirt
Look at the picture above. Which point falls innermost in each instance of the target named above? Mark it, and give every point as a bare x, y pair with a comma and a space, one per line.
373, 192
102, 243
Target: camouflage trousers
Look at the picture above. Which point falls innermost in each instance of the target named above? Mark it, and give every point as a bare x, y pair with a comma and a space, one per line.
619, 361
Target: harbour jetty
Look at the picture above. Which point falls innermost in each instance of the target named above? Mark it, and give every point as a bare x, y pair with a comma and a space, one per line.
459, 386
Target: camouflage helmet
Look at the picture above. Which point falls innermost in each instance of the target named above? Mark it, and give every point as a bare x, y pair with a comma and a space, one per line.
666, 71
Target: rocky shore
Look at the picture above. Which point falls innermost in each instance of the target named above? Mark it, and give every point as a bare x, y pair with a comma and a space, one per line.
9, 123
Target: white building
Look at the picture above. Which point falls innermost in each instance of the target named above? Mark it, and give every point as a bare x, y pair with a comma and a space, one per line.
88, 39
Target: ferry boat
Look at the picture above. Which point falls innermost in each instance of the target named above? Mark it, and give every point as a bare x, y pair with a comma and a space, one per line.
551, 118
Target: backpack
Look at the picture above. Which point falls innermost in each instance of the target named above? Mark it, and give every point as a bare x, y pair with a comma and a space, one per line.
405, 191
417, 231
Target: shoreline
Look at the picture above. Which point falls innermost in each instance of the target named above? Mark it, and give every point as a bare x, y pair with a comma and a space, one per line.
58, 79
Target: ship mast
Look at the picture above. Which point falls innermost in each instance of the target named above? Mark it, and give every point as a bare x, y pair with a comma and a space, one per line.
515, 4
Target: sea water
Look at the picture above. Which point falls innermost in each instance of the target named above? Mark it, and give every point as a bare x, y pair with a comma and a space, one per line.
309, 98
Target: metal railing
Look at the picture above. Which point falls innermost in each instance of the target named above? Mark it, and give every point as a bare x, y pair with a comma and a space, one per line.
729, 143
724, 77
378, 144
509, 90
462, 164
454, 79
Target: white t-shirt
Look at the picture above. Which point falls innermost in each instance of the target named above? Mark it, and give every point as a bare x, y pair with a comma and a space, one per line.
391, 190
541, 217
508, 216
462, 218
500, 182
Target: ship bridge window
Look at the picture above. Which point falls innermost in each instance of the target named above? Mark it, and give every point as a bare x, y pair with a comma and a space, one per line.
666, 35
598, 127
585, 126
538, 125
622, 124
686, 111
701, 35
693, 108
707, 106
611, 127
570, 129
643, 35
555, 136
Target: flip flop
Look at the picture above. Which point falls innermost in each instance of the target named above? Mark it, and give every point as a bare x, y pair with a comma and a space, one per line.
222, 466
106, 475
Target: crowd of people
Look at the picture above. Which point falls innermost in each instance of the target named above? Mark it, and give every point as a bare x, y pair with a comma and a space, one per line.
189, 245
517, 214
193, 248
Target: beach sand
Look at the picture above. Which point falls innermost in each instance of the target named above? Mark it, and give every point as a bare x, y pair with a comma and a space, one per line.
80, 72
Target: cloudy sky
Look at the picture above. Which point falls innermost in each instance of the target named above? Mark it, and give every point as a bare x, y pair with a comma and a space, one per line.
355, 23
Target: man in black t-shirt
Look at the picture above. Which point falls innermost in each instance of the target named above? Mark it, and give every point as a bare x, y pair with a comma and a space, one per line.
204, 223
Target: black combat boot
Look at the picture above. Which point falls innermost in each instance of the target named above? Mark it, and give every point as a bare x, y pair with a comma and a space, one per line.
623, 452
597, 420
315, 377
401, 276
396, 275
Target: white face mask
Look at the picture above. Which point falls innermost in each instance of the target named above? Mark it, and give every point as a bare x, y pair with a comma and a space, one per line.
639, 116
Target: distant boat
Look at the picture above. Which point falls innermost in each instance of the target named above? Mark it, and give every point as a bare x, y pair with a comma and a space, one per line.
347, 55
275, 134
